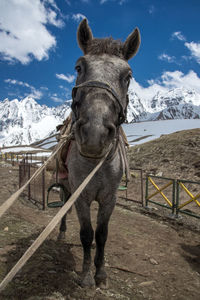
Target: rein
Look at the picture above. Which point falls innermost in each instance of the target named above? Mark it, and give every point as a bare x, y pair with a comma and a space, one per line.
101, 85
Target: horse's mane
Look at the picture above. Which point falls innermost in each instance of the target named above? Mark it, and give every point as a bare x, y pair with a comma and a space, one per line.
105, 46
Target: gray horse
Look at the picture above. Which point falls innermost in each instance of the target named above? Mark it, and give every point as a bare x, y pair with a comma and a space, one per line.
99, 107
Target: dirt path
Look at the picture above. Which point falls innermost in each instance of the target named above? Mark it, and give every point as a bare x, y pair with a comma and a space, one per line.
146, 257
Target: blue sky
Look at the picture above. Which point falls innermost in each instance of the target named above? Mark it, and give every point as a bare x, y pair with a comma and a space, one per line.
38, 47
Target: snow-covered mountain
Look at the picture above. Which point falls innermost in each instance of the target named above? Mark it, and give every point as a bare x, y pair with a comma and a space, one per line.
135, 109
178, 103
26, 121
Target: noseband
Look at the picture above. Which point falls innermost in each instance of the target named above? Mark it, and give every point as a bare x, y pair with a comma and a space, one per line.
101, 85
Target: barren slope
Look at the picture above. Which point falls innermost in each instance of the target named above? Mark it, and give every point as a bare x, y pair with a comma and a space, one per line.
175, 155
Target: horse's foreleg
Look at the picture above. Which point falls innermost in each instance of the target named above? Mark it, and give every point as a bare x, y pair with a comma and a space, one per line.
86, 236
101, 237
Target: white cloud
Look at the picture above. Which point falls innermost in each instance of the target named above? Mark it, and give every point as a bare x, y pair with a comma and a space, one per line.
192, 46
52, 19
78, 17
120, 2
166, 57
69, 78
178, 35
178, 79
34, 93
23, 32
146, 93
57, 99
151, 9
194, 49
167, 81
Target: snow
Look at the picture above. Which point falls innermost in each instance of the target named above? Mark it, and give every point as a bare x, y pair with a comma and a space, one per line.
155, 129
24, 149
25, 122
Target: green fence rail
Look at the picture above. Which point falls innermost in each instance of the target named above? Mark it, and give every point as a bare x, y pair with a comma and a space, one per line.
168, 203
181, 185
174, 202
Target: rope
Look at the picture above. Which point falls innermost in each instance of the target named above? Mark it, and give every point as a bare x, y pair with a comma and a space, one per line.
31, 250
5, 206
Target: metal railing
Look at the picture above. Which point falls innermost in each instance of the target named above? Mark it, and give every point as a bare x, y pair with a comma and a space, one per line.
173, 200
181, 185
36, 191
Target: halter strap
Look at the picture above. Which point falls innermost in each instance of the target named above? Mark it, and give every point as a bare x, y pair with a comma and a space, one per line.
105, 86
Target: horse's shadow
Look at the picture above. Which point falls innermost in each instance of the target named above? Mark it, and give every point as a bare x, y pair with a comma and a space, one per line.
50, 269
192, 256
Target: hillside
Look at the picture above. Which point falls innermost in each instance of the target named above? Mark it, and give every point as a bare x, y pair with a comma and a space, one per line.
173, 155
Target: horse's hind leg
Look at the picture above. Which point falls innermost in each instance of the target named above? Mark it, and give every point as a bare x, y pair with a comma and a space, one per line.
86, 236
63, 225
63, 228
101, 234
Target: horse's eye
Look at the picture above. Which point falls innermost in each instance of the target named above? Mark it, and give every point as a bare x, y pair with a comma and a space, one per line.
127, 79
78, 69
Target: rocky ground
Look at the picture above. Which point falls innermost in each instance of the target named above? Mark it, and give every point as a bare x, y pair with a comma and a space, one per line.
174, 155
148, 256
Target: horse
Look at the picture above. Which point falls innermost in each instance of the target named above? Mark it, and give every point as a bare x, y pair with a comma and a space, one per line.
99, 106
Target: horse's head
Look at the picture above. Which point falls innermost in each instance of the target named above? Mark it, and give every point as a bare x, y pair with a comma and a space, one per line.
100, 96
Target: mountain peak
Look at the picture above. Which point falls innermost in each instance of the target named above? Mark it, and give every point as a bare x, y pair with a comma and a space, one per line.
25, 121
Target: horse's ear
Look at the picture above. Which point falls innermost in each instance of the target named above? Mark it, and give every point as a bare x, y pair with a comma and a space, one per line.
84, 35
131, 44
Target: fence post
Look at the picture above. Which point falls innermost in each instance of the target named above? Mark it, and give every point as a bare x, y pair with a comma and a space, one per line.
29, 176
142, 195
12, 159
43, 189
177, 197
146, 196
173, 196
19, 176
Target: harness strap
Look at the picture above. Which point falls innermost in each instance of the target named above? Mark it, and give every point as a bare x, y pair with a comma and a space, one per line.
102, 85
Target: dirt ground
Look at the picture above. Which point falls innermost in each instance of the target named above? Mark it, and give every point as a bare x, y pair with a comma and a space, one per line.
147, 256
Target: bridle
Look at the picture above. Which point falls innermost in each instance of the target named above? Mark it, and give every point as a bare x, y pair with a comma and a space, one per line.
101, 85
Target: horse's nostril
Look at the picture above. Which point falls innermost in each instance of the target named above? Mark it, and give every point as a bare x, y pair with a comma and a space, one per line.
111, 131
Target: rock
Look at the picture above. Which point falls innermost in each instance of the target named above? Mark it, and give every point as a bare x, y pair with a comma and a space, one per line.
160, 174
55, 296
52, 272
146, 283
153, 261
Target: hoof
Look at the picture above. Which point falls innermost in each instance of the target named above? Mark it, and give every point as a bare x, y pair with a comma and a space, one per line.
87, 280
101, 280
61, 236
102, 285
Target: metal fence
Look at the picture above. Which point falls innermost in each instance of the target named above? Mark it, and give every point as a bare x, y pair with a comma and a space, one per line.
179, 196
12, 158
133, 191
173, 194
185, 189
36, 190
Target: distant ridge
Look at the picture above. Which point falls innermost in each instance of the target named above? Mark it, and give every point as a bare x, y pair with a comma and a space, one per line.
26, 121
